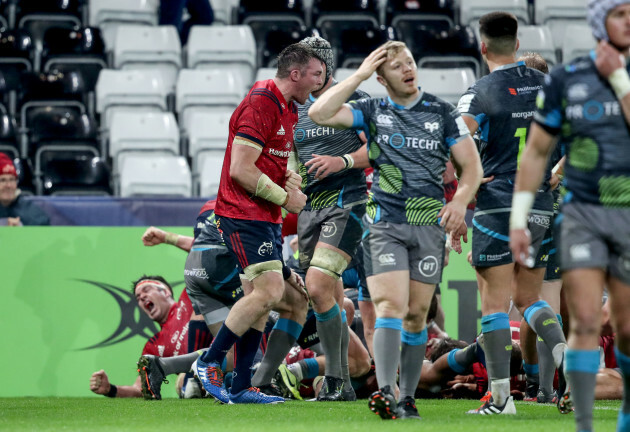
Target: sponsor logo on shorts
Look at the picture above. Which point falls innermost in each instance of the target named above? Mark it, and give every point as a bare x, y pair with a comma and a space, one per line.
428, 266
580, 252
490, 258
387, 259
265, 249
329, 229
540, 220
238, 291
196, 272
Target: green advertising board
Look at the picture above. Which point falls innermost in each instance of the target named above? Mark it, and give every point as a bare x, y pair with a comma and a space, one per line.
68, 310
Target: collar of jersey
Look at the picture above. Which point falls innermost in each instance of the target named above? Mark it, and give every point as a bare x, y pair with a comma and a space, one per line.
510, 65
411, 105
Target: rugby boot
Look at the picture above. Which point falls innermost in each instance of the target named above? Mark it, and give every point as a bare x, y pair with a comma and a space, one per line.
253, 395
490, 408
151, 377
332, 390
564, 403
287, 382
383, 403
407, 409
211, 377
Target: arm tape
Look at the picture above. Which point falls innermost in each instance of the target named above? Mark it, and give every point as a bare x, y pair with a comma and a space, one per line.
266, 189
522, 202
620, 82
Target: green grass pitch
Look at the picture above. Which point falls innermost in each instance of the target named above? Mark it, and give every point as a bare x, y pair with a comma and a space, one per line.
102, 414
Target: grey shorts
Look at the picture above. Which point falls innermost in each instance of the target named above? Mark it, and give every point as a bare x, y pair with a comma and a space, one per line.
419, 249
491, 237
212, 282
592, 236
338, 227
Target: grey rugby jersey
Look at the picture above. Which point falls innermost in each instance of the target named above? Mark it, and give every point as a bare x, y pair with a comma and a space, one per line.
408, 148
342, 189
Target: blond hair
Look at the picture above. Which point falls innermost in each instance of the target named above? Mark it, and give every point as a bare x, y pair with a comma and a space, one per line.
392, 48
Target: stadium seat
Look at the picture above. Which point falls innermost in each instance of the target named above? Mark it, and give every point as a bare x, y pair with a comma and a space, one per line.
536, 38
55, 130
223, 10
449, 84
109, 14
557, 14
291, 11
76, 50
335, 31
208, 131
206, 90
458, 48
371, 86
155, 48
472, 10
272, 37
346, 10
8, 139
4, 14
265, 74
81, 175
233, 48
358, 42
580, 43
16, 47
129, 90
37, 16
437, 15
137, 131
147, 174
210, 173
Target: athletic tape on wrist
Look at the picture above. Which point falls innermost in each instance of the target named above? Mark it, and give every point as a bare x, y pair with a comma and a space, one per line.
267, 189
620, 82
171, 238
522, 202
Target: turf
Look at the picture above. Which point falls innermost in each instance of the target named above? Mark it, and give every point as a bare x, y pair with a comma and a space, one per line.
102, 414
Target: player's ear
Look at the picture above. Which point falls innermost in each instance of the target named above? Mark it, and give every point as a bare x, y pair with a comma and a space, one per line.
295, 75
381, 80
484, 48
518, 44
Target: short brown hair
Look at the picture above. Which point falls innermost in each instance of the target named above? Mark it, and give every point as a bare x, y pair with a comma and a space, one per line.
535, 61
294, 56
392, 48
498, 31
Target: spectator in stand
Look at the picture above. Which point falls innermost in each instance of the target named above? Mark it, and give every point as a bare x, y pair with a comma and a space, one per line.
14, 210
172, 13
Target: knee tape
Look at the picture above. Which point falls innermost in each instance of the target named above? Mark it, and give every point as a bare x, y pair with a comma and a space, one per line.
329, 262
255, 270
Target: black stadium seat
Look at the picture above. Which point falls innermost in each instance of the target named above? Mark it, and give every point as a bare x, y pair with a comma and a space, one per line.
273, 37
8, 139
16, 50
271, 10
24, 170
435, 14
81, 175
357, 43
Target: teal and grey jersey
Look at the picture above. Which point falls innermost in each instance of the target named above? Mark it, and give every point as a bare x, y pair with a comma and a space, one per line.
342, 189
579, 106
503, 104
408, 146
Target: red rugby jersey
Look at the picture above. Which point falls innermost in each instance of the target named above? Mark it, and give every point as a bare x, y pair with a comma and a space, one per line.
266, 120
172, 339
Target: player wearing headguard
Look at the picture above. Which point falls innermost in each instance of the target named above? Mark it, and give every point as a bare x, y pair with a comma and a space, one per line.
584, 106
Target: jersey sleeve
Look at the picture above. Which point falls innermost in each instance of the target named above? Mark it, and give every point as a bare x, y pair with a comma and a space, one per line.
455, 128
472, 104
549, 103
257, 119
150, 348
362, 111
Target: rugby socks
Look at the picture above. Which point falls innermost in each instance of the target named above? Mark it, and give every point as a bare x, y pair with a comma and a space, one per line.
329, 331
345, 341
543, 320
284, 334
497, 344
220, 346
581, 368
387, 335
245, 352
461, 359
178, 364
546, 363
414, 346
304, 369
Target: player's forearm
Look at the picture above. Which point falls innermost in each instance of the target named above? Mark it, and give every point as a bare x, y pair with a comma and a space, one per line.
182, 242
471, 174
360, 157
330, 103
128, 391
